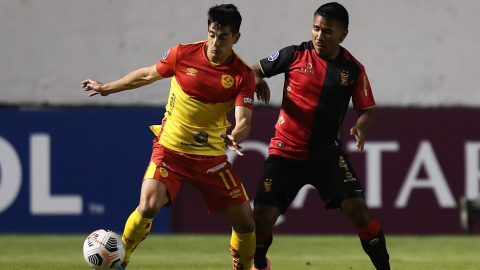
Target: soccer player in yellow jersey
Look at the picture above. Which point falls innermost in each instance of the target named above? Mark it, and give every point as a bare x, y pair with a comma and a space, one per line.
208, 80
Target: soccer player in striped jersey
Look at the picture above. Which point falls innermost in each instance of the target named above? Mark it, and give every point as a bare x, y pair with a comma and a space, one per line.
320, 79
208, 80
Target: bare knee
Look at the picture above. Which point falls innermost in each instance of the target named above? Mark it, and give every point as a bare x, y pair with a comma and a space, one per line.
154, 195
265, 218
357, 211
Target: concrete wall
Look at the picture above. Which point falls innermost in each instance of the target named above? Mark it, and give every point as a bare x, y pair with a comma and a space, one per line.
416, 53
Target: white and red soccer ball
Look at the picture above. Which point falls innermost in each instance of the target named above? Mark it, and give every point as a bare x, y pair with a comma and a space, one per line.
103, 250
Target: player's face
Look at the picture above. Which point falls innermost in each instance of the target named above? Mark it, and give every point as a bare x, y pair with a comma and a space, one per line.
219, 43
327, 36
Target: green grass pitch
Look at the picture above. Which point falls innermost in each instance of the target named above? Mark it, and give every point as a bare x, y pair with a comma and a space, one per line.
172, 252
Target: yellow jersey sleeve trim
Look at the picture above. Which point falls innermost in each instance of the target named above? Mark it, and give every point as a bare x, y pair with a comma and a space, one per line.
241, 59
193, 43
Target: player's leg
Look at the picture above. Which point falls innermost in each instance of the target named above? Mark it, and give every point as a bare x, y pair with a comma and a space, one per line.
368, 230
242, 242
469, 210
278, 187
153, 196
223, 192
159, 188
339, 187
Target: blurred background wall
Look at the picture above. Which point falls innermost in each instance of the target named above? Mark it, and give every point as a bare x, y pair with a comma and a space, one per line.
66, 159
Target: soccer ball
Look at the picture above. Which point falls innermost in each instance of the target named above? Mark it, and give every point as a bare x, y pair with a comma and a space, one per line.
103, 250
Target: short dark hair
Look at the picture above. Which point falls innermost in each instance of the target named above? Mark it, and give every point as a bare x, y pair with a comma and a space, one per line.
225, 15
333, 11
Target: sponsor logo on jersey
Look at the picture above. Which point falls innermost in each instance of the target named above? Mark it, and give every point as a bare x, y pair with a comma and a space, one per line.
163, 172
166, 55
166, 166
247, 100
280, 144
365, 84
307, 68
268, 185
196, 145
273, 56
227, 81
191, 71
216, 168
344, 77
200, 136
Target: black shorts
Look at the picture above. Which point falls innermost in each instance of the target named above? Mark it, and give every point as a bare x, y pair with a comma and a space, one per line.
331, 174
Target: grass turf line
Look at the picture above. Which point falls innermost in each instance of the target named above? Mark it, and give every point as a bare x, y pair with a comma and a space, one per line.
210, 252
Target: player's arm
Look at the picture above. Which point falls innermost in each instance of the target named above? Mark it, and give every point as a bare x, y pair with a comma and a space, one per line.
243, 124
261, 86
364, 122
132, 80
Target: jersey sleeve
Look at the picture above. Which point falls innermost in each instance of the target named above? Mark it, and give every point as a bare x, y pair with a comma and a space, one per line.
246, 91
166, 66
278, 62
362, 96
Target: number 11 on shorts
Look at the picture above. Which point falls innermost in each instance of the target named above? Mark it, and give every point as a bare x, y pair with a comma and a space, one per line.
225, 180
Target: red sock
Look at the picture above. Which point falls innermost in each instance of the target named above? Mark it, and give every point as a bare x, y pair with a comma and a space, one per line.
369, 232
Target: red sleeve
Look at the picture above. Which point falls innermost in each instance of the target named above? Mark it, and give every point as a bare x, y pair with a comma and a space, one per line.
165, 67
362, 96
246, 91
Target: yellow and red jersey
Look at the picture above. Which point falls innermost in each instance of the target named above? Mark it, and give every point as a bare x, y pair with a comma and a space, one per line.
201, 95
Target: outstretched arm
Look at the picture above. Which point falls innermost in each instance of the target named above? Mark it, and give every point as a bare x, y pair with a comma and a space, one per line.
132, 80
262, 89
243, 122
364, 122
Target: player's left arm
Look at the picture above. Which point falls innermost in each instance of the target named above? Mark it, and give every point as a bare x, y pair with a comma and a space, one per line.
243, 125
364, 122
363, 103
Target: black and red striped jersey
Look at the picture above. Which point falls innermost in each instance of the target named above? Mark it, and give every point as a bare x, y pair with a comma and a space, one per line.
316, 95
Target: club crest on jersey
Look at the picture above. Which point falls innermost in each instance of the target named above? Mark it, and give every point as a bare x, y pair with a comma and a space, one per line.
200, 136
273, 56
267, 184
307, 68
163, 172
227, 81
344, 77
166, 54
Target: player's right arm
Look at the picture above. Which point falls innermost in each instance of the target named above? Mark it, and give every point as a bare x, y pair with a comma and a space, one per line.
132, 80
278, 62
261, 86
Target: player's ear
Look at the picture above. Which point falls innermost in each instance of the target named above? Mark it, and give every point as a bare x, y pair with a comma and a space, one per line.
345, 33
236, 38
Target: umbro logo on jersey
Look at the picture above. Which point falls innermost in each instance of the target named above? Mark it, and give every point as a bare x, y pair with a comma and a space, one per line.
307, 68
273, 56
191, 71
227, 81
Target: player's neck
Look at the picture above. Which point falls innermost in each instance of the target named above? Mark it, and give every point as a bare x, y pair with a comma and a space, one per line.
217, 58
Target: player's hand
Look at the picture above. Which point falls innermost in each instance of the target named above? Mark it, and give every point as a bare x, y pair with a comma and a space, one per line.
96, 87
230, 142
262, 90
359, 136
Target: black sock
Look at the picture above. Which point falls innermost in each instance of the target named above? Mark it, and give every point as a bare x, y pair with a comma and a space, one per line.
376, 248
263, 243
